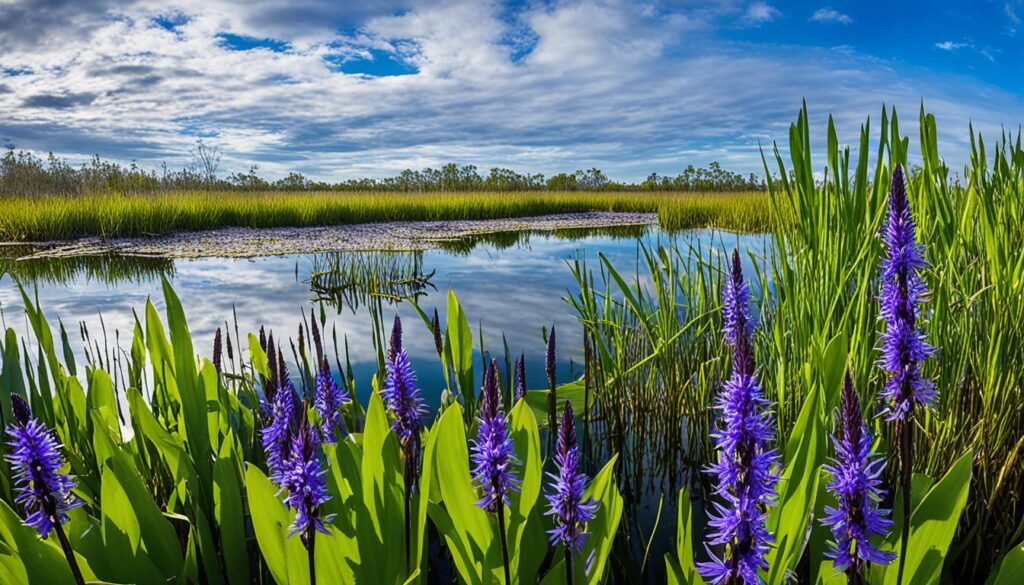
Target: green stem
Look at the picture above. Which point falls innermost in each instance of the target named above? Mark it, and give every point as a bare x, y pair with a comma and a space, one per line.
568, 566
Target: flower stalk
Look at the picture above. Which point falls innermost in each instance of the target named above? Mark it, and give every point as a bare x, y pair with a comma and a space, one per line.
493, 457
42, 491
402, 398
903, 343
747, 467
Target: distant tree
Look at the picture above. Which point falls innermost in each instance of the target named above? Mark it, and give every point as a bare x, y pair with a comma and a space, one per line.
207, 157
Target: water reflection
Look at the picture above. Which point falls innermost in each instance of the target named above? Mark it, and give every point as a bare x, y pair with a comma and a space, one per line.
510, 284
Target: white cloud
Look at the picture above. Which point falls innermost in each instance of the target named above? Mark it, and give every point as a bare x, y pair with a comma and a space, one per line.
951, 46
596, 83
761, 12
830, 15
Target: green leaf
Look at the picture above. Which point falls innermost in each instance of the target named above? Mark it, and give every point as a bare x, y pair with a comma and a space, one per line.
465, 527
228, 513
383, 497
789, 520
1010, 569
933, 525
459, 340
30, 560
526, 438
285, 557
682, 570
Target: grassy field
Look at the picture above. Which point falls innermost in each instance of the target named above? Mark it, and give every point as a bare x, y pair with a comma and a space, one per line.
27, 219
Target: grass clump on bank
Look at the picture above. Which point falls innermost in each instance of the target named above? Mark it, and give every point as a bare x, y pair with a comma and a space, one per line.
110, 215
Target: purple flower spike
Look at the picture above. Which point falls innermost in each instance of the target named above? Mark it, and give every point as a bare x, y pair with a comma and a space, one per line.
307, 488
738, 327
329, 398
276, 437
549, 358
903, 343
493, 453
217, 350
747, 468
856, 477
402, 397
42, 491
566, 502
521, 377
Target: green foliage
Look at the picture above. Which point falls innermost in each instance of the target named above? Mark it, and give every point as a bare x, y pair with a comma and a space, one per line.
115, 214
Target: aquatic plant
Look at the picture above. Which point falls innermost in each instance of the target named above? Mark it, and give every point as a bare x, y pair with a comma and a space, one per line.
550, 366
43, 491
856, 479
746, 470
903, 344
520, 387
328, 401
307, 491
402, 396
494, 457
567, 504
276, 438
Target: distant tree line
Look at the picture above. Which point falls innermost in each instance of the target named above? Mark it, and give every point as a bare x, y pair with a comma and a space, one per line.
22, 172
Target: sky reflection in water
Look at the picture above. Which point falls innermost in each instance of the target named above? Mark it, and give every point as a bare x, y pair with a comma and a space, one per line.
509, 284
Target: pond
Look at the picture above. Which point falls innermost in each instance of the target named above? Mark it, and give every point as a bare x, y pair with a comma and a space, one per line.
510, 284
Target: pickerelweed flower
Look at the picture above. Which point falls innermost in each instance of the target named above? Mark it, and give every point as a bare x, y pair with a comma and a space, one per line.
217, 350
307, 488
402, 398
746, 470
493, 453
566, 503
43, 492
549, 367
327, 402
856, 477
521, 377
903, 343
276, 437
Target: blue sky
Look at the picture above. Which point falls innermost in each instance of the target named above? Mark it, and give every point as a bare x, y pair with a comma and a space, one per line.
343, 89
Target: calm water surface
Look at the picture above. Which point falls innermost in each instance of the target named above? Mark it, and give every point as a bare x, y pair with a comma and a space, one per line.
511, 285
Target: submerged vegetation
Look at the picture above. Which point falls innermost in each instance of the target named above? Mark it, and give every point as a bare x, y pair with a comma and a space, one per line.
795, 413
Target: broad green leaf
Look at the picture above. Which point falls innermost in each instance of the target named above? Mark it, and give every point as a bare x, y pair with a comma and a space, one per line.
933, 525
228, 513
285, 557
789, 520
459, 339
466, 528
31, 560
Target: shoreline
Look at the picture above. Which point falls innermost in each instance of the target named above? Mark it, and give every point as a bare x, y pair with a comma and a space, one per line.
381, 236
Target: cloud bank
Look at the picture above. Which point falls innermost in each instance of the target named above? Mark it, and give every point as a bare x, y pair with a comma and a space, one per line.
339, 91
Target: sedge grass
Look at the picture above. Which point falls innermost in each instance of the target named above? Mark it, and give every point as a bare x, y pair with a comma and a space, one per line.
111, 215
